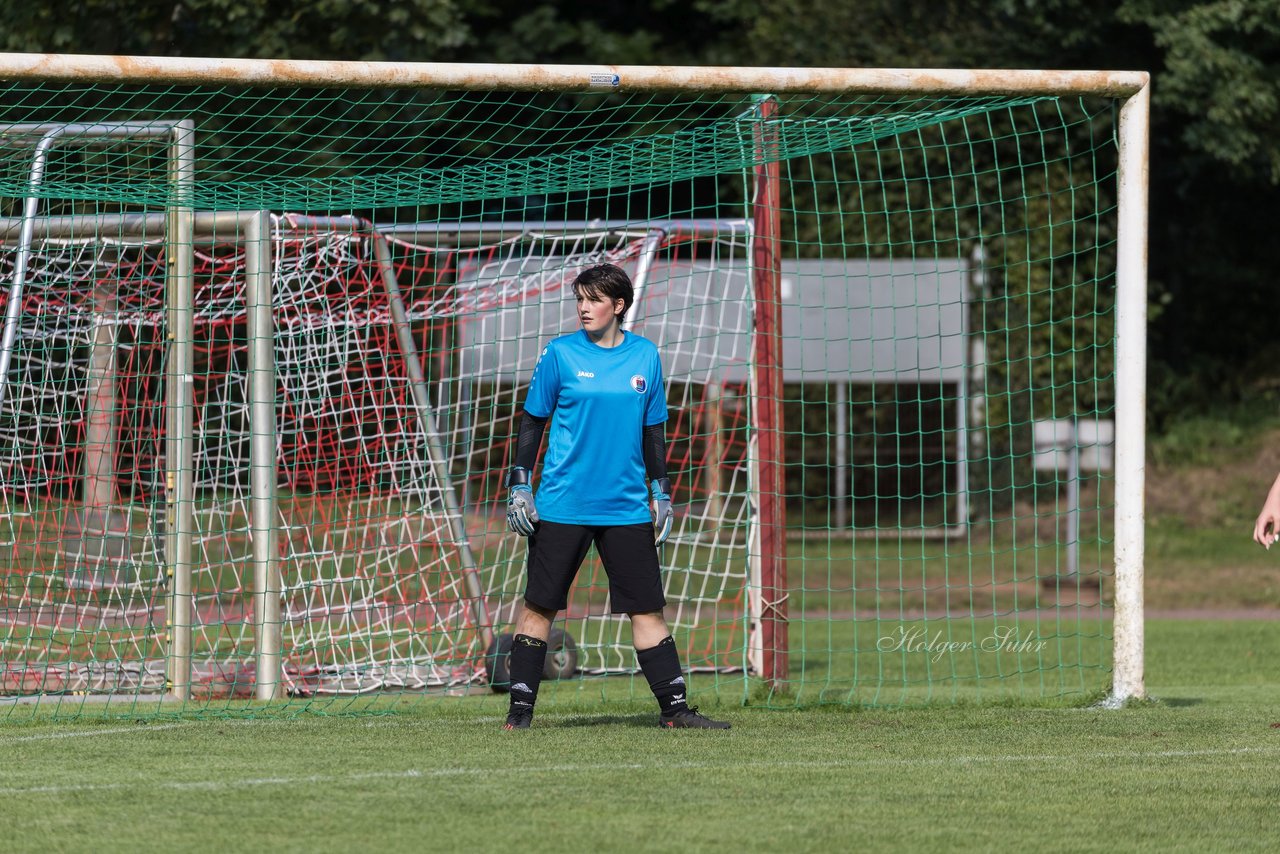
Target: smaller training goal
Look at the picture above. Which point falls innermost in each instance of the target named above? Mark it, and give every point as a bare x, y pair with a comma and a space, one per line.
397, 365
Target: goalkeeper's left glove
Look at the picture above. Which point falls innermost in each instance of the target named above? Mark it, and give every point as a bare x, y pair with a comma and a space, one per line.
663, 515
522, 513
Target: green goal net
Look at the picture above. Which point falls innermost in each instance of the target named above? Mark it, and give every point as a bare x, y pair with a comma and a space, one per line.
266, 344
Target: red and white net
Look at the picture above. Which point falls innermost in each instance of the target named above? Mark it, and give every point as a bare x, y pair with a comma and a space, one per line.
376, 592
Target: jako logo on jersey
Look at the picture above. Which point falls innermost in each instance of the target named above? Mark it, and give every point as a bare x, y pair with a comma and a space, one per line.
638, 383
587, 374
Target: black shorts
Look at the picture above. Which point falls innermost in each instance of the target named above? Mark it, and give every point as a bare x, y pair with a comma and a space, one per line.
630, 559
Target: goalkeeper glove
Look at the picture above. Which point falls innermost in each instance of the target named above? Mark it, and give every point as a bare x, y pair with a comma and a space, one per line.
663, 515
522, 514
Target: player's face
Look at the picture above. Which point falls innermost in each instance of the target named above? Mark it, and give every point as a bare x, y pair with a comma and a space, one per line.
598, 313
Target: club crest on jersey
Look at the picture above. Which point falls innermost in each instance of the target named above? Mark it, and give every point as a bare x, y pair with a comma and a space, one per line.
638, 383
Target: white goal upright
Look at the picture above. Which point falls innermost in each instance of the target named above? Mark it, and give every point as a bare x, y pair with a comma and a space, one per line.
261, 371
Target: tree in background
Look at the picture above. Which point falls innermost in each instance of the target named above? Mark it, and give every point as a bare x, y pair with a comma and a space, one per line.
406, 30
1215, 156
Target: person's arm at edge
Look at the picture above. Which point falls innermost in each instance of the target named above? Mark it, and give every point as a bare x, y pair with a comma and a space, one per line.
1267, 528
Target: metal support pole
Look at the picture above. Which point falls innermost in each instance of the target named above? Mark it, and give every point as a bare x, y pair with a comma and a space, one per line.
267, 583
960, 523
713, 428
842, 467
974, 396
770, 485
466, 396
1073, 501
648, 252
13, 309
100, 412
435, 446
180, 408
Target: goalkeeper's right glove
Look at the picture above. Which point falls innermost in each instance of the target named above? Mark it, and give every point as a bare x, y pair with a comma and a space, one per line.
663, 515
522, 514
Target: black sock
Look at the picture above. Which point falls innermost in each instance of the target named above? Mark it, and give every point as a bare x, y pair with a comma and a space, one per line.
661, 666
528, 655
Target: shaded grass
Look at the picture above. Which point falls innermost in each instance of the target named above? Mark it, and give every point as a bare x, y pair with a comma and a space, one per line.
1194, 770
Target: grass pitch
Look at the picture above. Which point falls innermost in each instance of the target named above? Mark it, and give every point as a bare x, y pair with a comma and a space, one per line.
1194, 769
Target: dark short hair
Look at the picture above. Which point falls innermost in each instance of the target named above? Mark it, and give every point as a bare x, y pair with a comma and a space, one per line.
608, 281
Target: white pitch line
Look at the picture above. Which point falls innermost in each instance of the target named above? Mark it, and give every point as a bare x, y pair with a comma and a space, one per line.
436, 773
86, 733
214, 784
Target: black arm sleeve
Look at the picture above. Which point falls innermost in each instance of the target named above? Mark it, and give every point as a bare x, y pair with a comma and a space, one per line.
528, 440
654, 444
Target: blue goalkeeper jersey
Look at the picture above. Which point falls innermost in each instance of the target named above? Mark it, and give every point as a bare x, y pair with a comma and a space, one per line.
599, 399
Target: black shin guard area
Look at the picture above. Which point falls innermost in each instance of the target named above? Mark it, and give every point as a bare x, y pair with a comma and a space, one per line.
661, 666
527, 658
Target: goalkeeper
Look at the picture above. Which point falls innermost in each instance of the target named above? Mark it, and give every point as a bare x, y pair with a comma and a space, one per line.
603, 391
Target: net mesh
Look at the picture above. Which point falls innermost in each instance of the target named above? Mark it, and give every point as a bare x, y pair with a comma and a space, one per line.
947, 291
